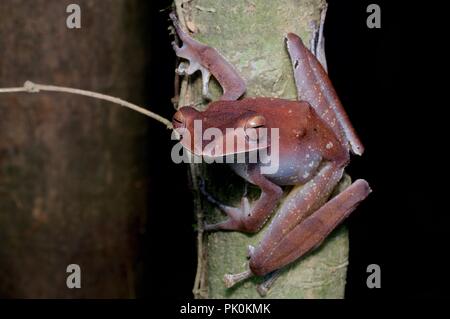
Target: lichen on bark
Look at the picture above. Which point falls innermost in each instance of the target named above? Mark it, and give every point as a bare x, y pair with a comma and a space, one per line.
249, 34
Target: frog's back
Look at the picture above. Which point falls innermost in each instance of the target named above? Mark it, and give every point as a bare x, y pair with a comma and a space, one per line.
274, 108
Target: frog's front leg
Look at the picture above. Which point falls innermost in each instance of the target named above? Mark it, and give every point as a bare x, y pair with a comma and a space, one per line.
208, 61
244, 218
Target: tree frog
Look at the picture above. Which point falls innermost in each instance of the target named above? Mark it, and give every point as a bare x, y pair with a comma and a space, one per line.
314, 142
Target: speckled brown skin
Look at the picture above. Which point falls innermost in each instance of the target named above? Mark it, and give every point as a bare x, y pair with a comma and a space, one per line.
315, 139
314, 86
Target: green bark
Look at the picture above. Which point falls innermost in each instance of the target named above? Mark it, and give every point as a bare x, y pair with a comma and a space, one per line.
250, 35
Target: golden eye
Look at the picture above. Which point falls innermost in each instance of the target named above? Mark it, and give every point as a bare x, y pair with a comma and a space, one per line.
178, 120
254, 127
255, 122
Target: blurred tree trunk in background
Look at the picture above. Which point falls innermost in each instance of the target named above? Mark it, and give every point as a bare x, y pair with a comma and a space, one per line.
250, 35
72, 185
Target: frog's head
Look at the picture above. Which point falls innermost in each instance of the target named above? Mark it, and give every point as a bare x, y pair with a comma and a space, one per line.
221, 132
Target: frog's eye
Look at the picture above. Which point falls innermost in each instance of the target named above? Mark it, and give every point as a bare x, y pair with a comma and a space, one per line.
255, 122
178, 120
253, 127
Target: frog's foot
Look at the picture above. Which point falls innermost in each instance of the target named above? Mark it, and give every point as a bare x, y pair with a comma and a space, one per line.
190, 68
232, 279
249, 219
235, 214
264, 287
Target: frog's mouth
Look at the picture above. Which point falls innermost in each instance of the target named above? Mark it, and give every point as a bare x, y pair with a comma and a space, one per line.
215, 154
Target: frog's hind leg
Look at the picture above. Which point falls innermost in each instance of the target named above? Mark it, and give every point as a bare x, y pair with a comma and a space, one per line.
305, 236
300, 201
272, 277
315, 87
310, 233
263, 288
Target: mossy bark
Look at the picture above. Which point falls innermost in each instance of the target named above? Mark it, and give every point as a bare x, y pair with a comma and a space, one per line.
250, 35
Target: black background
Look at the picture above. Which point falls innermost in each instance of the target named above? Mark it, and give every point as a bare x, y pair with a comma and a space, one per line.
383, 77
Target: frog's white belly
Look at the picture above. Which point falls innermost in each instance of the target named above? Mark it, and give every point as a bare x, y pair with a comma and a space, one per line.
289, 171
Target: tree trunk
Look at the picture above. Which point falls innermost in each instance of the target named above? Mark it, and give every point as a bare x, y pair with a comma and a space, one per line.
72, 186
250, 35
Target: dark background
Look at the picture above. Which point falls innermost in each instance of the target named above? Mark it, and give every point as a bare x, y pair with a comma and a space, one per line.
384, 81
383, 77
